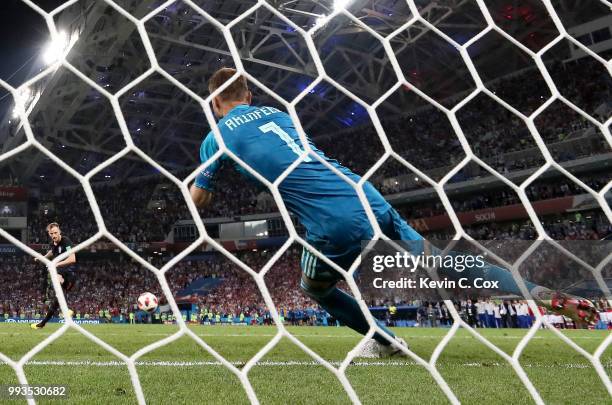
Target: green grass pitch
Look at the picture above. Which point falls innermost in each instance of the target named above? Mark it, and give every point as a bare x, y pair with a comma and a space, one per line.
183, 373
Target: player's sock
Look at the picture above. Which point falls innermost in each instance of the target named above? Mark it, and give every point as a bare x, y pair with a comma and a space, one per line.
52, 308
345, 308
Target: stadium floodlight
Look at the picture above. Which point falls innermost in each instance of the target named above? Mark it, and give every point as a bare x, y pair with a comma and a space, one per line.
55, 48
320, 20
337, 6
340, 4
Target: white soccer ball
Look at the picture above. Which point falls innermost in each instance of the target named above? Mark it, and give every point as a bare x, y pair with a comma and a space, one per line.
147, 302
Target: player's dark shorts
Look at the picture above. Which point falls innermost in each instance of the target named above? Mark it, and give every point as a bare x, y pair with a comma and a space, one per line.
70, 279
391, 224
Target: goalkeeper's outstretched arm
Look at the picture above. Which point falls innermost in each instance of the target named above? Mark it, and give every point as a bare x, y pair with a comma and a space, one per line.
200, 196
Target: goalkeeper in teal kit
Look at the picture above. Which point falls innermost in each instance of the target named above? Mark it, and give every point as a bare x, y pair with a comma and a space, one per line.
327, 206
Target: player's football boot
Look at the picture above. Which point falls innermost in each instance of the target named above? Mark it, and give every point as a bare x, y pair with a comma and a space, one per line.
40, 326
374, 350
580, 310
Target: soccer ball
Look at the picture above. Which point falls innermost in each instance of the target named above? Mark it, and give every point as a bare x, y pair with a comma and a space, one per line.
147, 302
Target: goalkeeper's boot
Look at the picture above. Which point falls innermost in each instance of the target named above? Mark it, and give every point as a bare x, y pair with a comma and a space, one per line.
579, 310
37, 326
374, 350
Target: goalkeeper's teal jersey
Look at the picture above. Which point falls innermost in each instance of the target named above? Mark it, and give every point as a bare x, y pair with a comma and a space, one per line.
266, 140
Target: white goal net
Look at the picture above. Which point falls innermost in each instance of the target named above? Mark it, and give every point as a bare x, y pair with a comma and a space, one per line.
371, 108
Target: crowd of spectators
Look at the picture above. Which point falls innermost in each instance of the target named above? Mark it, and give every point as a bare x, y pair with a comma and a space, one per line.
70, 205
427, 140
149, 214
586, 83
582, 225
107, 284
282, 281
111, 282
146, 210
235, 195
134, 212
496, 197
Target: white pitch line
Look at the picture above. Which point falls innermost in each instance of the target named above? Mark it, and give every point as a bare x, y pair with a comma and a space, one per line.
88, 363
311, 336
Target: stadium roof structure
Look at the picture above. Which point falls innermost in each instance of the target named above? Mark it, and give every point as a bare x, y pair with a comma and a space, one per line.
78, 124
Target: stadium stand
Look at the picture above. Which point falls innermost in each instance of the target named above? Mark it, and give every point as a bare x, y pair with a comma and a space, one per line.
145, 210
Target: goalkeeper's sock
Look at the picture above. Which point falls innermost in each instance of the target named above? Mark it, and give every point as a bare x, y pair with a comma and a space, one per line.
345, 308
52, 308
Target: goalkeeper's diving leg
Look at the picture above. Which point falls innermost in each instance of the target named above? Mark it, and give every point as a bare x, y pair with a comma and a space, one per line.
319, 283
579, 309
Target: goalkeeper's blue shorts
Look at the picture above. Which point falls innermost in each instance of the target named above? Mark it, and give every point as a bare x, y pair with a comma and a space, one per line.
344, 255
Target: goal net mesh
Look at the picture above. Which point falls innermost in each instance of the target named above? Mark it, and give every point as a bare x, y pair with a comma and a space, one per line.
339, 370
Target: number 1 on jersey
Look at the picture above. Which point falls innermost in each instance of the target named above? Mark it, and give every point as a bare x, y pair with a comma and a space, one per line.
273, 127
